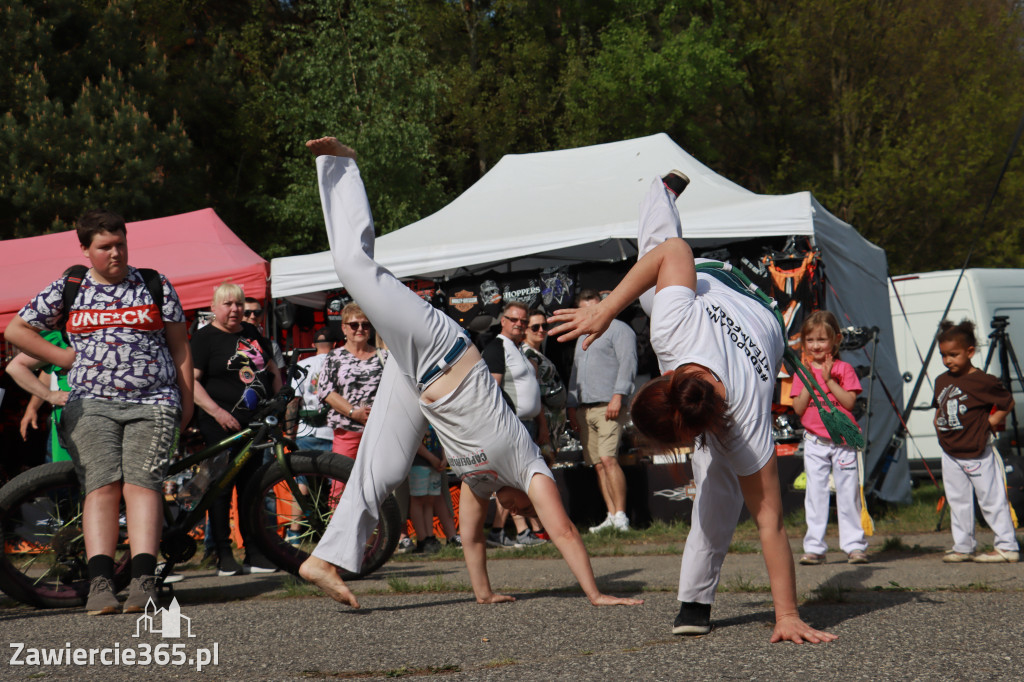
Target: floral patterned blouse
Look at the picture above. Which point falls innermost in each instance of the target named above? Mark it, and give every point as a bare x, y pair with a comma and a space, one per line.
353, 379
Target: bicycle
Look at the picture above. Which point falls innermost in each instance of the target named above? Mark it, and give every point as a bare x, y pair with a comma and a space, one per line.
44, 563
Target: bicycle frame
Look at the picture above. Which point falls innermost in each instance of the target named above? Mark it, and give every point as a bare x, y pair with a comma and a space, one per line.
258, 436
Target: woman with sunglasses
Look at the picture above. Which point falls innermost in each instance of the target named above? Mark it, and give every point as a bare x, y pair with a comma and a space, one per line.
433, 373
349, 380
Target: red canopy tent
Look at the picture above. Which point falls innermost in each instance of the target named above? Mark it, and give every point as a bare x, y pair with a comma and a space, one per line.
196, 251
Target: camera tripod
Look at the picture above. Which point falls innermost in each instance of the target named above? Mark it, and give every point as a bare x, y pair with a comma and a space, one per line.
1007, 360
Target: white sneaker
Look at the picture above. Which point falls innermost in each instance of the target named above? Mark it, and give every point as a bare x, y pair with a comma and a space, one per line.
620, 521
604, 525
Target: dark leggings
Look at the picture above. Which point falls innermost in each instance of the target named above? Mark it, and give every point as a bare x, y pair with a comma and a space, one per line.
220, 512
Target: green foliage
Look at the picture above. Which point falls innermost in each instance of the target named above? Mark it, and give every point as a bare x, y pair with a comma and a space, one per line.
898, 116
357, 71
84, 127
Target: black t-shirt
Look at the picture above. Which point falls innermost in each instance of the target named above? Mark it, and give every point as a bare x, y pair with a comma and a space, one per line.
232, 362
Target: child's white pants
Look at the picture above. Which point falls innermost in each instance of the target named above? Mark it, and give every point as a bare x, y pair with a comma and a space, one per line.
962, 480
822, 456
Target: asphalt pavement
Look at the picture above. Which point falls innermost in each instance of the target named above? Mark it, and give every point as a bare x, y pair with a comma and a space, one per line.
904, 616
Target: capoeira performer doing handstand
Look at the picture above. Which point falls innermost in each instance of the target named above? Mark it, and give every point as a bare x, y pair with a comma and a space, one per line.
434, 373
719, 350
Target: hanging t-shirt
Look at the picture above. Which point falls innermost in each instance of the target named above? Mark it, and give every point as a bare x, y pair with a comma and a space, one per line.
231, 362
845, 375
118, 335
739, 340
964, 404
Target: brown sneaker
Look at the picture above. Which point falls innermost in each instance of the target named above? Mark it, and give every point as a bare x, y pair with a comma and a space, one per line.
140, 592
812, 559
102, 600
998, 556
857, 556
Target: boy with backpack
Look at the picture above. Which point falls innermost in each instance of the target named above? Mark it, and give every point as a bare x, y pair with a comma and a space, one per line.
131, 388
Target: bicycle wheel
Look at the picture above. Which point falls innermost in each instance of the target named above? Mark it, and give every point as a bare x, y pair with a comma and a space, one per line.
273, 512
44, 562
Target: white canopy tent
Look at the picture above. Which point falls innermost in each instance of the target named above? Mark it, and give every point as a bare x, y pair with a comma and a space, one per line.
532, 211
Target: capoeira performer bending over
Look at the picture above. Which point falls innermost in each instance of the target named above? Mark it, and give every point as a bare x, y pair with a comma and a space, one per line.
719, 350
436, 374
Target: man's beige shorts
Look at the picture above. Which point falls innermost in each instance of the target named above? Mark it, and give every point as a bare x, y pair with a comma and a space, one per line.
598, 435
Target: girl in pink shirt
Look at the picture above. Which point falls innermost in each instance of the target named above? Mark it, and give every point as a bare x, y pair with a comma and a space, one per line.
819, 338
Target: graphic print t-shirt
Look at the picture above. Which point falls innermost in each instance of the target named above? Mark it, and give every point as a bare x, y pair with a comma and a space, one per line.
230, 362
964, 404
118, 336
738, 339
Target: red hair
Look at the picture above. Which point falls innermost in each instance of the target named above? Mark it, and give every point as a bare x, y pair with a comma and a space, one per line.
680, 408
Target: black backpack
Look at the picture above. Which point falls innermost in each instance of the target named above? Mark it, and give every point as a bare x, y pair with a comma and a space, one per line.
73, 282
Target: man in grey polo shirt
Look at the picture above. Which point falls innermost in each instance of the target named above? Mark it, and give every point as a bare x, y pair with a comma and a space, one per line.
601, 380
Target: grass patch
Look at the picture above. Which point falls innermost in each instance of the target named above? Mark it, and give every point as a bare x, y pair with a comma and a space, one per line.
829, 592
893, 586
436, 583
979, 586
295, 587
895, 543
500, 662
743, 584
744, 547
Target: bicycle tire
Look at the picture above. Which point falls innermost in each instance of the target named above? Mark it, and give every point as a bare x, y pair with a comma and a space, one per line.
323, 472
44, 562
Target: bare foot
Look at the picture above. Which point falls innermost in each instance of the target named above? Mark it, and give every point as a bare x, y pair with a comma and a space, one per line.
329, 146
325, 576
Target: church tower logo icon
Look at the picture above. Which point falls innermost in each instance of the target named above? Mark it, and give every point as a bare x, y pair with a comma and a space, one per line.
168, 622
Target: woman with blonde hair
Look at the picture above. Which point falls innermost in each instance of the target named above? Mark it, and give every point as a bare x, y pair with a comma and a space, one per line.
231, 357
349, 380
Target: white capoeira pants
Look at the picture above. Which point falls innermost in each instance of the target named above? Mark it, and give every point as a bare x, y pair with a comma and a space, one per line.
716, 510
822, 456
962, 479
418, 338
719, 500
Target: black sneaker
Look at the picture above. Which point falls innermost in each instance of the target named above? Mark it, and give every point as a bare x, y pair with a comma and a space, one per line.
693, 619
676, 182
429, 545
257, 563
227, 565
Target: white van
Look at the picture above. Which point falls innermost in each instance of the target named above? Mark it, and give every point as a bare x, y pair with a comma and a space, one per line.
984, 295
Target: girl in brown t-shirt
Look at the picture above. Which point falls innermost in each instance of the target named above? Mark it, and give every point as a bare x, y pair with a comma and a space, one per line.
969, 405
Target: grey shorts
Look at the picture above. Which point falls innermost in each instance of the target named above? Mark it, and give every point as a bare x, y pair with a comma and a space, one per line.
113, 441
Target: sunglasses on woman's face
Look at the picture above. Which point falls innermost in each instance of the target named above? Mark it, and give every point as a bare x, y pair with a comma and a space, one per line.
538, 327
356, 326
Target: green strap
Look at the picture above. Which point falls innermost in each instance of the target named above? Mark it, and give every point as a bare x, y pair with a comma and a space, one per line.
840, 427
